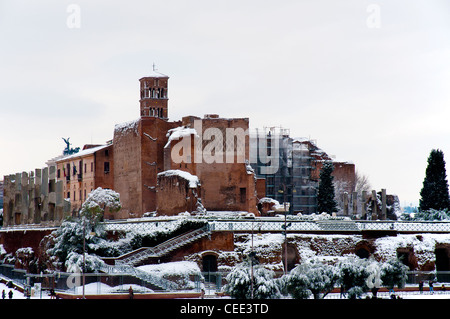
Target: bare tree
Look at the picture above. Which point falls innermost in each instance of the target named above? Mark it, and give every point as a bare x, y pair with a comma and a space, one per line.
361, 183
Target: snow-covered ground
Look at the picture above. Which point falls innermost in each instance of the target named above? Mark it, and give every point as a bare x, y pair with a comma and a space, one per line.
19, 295
93, 289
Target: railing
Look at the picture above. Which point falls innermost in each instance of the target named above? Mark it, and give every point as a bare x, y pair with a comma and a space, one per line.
141, 254
147, 277
274, 224
329, 226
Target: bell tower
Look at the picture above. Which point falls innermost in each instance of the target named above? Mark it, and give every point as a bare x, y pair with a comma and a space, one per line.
154, 95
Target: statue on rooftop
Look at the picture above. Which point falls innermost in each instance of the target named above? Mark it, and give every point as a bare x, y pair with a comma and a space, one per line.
68, 150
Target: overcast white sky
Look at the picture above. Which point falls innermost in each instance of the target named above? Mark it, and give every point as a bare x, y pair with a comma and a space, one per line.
369, 80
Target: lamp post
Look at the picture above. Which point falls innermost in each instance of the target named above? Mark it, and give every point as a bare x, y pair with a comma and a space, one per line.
285, 226
84, 253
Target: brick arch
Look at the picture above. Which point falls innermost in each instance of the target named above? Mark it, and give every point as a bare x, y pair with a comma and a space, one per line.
209, 252
363, 249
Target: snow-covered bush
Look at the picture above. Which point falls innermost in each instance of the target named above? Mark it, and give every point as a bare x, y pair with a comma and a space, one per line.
313, 278
239, 283
97, 202
354, 274
361, 275
2, 251
394, 273
74, 263
68, 239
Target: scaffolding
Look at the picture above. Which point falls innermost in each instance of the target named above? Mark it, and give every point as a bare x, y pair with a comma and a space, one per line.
291, 180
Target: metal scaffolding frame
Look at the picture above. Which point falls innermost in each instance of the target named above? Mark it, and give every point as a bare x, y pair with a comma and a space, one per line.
292, 181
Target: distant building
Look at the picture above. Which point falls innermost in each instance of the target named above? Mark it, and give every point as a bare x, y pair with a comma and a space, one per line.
290, 168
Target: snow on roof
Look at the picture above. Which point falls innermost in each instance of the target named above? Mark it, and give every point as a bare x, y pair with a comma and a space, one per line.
126, 126
172, 268
155, 74
192, 179
83, 153
269, 200
178, 133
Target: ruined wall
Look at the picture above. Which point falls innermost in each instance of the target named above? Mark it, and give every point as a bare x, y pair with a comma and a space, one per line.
138, 158
421, 252
127, 168
153, 133
344, 172
175, 195
15, 239
227, 185
34, 198
218, 242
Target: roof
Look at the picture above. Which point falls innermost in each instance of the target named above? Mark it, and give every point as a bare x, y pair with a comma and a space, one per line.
155, 74
82, 153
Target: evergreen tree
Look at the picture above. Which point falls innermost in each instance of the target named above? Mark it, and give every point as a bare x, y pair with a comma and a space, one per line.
239, 284
434, 194
325, 197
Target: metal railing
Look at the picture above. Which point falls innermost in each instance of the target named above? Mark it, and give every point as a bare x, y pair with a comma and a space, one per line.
275, 224
141, 254
142, 275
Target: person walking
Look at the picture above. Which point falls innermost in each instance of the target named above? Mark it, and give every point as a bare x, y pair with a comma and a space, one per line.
421, 286
130, 293
10, 294
430, 284
3, 294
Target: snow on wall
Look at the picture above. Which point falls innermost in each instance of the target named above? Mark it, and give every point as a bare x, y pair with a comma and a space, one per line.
192, 179
172, 268
127, 126
179, 132
268, 248
325, 246
328, 248
423, 246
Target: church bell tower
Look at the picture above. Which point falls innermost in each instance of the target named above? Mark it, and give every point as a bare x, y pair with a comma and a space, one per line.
154, 95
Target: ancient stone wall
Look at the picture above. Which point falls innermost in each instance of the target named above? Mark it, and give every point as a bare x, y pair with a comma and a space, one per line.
176, 194
34, 198
127, 167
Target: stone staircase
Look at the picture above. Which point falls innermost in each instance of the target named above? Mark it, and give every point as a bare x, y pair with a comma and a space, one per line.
154, 281
125, 264
137, 256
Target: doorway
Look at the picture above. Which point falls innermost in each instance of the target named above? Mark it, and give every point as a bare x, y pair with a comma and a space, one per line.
442, 264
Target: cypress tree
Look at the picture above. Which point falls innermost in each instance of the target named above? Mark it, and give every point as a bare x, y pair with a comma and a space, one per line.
434, 193
325, 197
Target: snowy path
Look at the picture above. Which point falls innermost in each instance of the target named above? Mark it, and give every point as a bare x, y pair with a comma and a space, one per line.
19, 295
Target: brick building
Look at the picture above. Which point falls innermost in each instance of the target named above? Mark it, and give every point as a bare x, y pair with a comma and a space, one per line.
84, 171
145, 147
